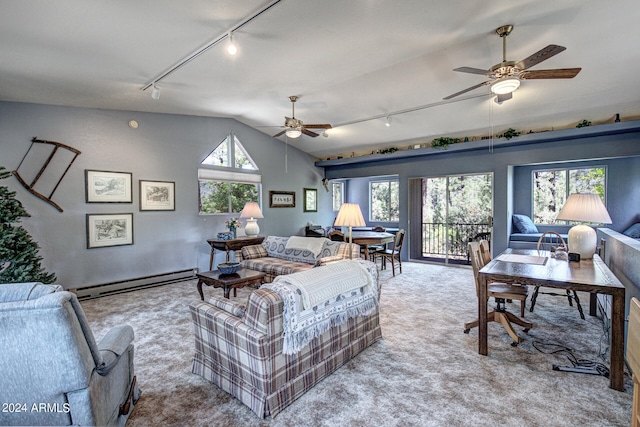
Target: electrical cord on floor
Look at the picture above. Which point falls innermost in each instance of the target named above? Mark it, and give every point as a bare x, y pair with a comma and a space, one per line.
579, 365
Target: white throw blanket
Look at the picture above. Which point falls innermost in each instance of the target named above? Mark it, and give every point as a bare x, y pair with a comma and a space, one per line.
344, 300
312, 244
336, 279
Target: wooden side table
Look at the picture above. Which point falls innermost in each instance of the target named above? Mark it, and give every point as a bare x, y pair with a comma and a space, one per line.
244, 277
231, 245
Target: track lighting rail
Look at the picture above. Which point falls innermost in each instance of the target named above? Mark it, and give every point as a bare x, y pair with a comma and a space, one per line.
195, 54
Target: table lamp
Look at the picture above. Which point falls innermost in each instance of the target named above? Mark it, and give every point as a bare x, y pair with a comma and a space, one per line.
251, 212
350, 216
584, 207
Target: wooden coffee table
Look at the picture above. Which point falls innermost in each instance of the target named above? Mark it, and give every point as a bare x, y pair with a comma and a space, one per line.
243, 277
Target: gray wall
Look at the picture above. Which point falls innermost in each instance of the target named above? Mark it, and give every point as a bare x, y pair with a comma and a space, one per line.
502, 161
164, 147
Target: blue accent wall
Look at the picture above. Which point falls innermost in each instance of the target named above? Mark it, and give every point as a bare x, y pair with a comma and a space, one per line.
615, 145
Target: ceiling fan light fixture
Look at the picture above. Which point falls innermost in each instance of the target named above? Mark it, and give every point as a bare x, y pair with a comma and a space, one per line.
505, 86
293, 133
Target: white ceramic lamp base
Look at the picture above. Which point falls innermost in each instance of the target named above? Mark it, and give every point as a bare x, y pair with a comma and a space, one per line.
583, 240
252, 229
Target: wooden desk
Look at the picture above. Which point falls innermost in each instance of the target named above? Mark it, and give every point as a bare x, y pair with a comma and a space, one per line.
231, 245
366, 238
587, 275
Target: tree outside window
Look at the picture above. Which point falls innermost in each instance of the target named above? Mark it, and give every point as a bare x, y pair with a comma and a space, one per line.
551, 188
384, 201
226, 197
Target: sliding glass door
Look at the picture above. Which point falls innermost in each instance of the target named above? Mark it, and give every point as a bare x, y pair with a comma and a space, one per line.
454, 209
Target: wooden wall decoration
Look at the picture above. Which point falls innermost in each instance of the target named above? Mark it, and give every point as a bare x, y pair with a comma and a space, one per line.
43, 167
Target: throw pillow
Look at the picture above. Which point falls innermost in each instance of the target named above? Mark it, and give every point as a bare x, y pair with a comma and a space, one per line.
524, 225
633, 231
254, 251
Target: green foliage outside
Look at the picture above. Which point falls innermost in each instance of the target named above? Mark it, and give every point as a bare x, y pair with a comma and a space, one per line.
552, 187
226, 197
454, 209
385, 205
19, 254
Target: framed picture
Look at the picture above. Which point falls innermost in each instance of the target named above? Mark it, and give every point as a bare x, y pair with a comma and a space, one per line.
157, 196
108, 187
109, 230
282, 199
310, 200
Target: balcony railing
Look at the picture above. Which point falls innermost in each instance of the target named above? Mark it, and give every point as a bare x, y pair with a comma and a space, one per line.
442, 241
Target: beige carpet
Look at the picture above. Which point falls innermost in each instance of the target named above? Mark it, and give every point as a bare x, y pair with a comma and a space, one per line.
425, 371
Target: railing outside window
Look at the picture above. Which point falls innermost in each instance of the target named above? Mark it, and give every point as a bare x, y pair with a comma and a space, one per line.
442, 241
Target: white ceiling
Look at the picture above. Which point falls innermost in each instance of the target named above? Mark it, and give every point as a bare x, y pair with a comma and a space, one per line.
347, 60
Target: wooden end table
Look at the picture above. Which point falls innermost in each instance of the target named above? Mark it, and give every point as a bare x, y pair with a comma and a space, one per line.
231, 245
244, 277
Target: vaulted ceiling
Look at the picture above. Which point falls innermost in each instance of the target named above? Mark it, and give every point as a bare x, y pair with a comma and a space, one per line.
352, 63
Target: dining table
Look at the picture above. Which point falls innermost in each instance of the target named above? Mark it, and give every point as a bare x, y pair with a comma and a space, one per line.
540, 268
366, 238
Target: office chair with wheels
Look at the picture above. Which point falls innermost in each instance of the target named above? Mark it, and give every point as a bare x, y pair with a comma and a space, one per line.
501, 292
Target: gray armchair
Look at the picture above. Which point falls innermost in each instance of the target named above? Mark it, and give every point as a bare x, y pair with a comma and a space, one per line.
52, 372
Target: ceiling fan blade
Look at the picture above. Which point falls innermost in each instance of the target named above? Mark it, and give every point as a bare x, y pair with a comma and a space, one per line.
279, 134
469, 89
309, 133
318, 126
541, 55
504, 97
559, 73
472, 70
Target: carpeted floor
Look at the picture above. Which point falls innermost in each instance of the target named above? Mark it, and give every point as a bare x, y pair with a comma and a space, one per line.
425, 371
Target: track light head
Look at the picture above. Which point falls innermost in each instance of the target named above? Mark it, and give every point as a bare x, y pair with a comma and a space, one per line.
388, 122
232, 49
155, 93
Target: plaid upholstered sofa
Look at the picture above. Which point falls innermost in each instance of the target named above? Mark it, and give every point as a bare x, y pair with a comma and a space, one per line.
240, 349
275, 256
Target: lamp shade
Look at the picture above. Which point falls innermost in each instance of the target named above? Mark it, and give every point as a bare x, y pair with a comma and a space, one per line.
251, 211
350, 215
584, 207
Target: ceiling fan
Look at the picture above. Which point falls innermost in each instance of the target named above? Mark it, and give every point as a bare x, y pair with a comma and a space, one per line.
506, 75
294, 127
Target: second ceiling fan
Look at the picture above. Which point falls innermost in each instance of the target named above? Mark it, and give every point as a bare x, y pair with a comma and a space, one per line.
294, 127
506, 75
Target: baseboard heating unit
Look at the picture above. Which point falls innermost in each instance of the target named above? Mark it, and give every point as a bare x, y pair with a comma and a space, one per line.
94, 291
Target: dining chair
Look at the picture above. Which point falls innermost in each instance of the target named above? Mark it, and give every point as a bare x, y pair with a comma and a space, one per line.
372, 248
501, 292
392, 254
336, 236
551, 241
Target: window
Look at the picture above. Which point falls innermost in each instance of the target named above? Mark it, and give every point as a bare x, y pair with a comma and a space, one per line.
230, 154
383, 199
223, 190
338, 195
552, 187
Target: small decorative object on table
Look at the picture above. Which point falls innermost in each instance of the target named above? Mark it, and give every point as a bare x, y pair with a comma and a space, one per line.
225, 236
232, 224
229, 267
